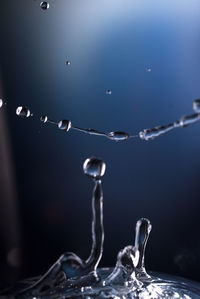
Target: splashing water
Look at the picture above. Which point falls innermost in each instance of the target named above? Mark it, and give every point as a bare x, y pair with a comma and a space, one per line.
73, 277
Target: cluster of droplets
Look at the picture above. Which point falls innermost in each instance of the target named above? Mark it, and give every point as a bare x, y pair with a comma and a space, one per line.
146, 134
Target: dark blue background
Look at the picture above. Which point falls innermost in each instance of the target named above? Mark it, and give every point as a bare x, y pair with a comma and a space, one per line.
109, 44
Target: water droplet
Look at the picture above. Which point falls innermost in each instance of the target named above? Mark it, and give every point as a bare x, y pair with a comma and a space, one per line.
65, 125
155, 132
1, 103
68, 62
44, 5
118, 136
108, 91
44, 118
94, 167
196, 105
189, 119
148, 70
23, 111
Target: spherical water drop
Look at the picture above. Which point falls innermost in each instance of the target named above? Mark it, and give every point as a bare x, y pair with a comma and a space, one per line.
65, 125
108, 91
196, 105
148, 70
94, 167
44, 5
118, 136
44, 118
23, 111
68, 62
1, 103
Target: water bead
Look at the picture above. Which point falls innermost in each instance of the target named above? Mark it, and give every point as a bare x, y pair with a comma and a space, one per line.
23, 111
44, 118
196, 105
68, 62
108, 91
94, 167
65, 125
1, 103
118, 136
44, 5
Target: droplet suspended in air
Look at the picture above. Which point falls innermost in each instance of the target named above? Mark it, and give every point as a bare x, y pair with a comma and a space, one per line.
196, 105
44, 5
1, 103
94, 167
44, 118
65, 125
68, 63
23, 111
118, 136
148, 70
108, 91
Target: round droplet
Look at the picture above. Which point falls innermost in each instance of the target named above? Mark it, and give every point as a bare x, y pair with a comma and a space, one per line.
118, 136
65, 125
148, 70
94, 167
108, 91
196, 105
68, 62
44, 118
44, 5
1, 103
23, 111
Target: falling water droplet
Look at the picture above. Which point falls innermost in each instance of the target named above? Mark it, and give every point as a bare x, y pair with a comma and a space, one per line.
94, 167
1, 103
143, 229
23, 111
44, 118
68, 62
148, 70
189, 119
44, 5
65, 125
108, 91
118, 136
155, 132
196, 105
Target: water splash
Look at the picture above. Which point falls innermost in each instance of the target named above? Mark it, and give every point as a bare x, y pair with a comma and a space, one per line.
73, 277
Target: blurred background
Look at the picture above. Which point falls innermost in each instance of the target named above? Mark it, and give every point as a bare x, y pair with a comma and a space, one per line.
148, 53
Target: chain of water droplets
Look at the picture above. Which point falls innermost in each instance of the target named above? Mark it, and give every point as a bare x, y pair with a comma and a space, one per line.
146, 134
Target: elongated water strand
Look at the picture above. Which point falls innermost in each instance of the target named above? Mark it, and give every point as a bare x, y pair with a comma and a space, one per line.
89, 131
189, 119
148, 134
142, 232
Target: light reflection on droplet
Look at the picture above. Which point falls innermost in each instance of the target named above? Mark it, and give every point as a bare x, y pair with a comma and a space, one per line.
1, 103
68, 63
64, 125
44, 118
196, 105
94, 167
108, 91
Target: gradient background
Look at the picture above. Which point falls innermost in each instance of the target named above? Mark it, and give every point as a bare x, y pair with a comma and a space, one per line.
45, 200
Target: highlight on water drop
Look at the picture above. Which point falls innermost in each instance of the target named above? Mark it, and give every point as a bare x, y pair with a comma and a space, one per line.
1, 103
68, 63
23, 112
118, 136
